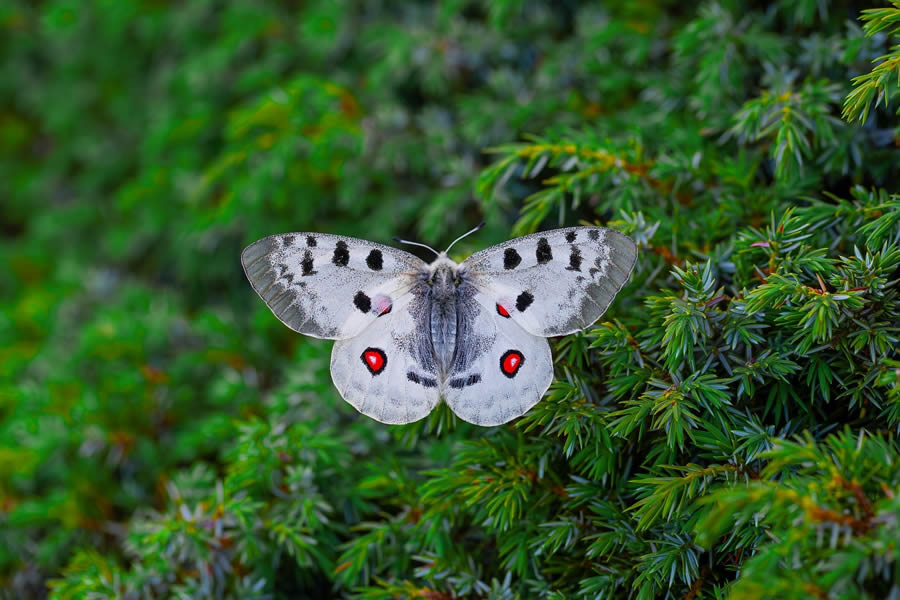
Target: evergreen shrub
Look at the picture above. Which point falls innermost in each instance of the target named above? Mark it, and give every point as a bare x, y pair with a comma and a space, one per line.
727, 430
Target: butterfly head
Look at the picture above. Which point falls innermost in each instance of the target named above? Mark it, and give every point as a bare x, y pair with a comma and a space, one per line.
443, 273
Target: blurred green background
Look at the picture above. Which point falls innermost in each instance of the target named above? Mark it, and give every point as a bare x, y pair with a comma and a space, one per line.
144, 144
161, 431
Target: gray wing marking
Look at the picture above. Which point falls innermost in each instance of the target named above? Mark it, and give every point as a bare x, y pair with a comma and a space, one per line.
472, 341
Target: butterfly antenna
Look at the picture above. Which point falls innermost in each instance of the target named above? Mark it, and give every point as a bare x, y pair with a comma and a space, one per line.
479, 226
399, 241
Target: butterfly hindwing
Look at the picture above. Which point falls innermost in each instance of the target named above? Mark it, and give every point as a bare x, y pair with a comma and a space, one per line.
499, 370
555, 282
328, 286
388, 372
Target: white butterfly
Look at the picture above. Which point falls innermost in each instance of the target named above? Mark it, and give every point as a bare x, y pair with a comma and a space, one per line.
410, 333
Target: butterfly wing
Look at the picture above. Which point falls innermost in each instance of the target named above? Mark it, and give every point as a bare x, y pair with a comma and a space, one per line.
388, 372
328, 286
555, 282
499, 370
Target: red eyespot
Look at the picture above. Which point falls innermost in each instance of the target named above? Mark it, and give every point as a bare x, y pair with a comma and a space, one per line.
511, 362
382, 304
502, 311
375, 360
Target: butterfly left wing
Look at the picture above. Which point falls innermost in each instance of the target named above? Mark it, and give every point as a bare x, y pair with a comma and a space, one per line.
328, 286
499, 370
388, 372
555, 282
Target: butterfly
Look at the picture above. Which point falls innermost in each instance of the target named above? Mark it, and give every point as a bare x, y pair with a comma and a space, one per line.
411, 333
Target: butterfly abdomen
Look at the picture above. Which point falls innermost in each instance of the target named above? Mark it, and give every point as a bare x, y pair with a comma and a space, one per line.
443, 316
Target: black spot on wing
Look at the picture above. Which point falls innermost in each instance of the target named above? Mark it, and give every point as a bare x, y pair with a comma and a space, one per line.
427, 382
594, 234
375, 260
543, 252
524, 301
570, 236
362, 302
306, 265
341, 254
574, 260
288, 241
461, 382
310, 241
511, 259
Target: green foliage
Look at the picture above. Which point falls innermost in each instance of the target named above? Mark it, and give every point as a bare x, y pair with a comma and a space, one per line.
728, 430
878, 84
830, 505
797, 124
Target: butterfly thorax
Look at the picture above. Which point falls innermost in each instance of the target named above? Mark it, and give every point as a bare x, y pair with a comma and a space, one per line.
443, 282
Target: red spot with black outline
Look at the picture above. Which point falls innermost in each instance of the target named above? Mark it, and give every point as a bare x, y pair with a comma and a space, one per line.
502, 311
511, 362
375, 360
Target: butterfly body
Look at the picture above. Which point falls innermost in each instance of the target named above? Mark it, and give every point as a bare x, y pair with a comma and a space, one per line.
444, 287
410, 334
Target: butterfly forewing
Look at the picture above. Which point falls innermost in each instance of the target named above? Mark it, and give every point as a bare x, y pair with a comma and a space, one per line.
328, 286
555, 282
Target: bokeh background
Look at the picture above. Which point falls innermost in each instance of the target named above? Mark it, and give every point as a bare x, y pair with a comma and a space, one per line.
163, 435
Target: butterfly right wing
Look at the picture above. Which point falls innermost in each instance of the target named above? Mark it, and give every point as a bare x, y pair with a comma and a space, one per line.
554, 282
328, 286
388, 372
